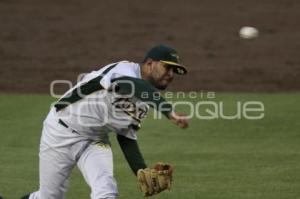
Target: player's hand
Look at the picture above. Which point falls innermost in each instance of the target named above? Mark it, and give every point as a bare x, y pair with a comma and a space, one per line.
179, 119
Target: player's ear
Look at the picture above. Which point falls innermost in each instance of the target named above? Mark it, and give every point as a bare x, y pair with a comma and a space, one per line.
149, 63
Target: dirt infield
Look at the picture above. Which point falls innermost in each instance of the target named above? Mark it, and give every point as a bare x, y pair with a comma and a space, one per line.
45, 40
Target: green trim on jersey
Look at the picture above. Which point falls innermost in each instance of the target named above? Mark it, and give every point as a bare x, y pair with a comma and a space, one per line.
83, 90
144, 91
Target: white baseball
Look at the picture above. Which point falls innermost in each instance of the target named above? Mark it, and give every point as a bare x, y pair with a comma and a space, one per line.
248, 32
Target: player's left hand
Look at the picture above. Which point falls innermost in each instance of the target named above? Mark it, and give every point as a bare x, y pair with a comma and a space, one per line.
155, 180
179, 119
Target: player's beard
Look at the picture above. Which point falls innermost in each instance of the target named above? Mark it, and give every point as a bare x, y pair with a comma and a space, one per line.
161, 87
157, 83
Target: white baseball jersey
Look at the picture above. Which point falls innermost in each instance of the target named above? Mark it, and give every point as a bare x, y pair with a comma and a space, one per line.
95, 115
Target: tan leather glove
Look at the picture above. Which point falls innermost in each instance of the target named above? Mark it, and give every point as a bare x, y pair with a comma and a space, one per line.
155, 180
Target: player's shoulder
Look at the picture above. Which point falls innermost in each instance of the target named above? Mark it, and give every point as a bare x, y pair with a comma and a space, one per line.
127, 65
127, 68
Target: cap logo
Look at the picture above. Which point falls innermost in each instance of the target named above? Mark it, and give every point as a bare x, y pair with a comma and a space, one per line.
180, 71
175, 56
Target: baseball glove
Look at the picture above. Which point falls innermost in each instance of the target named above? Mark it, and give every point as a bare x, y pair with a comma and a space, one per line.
155, 180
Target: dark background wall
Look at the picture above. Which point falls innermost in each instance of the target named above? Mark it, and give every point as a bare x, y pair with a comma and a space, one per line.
41, 41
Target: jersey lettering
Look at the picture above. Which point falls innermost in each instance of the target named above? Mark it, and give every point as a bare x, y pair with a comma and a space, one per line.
137, 112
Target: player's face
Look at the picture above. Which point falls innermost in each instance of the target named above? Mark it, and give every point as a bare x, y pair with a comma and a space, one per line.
161, 75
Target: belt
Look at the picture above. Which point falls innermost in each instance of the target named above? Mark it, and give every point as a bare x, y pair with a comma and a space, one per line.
66, 126
133, 126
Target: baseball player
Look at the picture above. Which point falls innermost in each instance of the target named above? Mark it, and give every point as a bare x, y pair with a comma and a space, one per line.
113, 99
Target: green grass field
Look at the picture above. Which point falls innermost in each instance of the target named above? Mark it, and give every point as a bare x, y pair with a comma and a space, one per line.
213, 159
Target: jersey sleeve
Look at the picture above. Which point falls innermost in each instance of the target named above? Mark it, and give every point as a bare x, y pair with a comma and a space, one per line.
132, 153
128, 133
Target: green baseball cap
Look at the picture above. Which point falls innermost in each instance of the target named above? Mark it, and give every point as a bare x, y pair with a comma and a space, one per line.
168, 56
